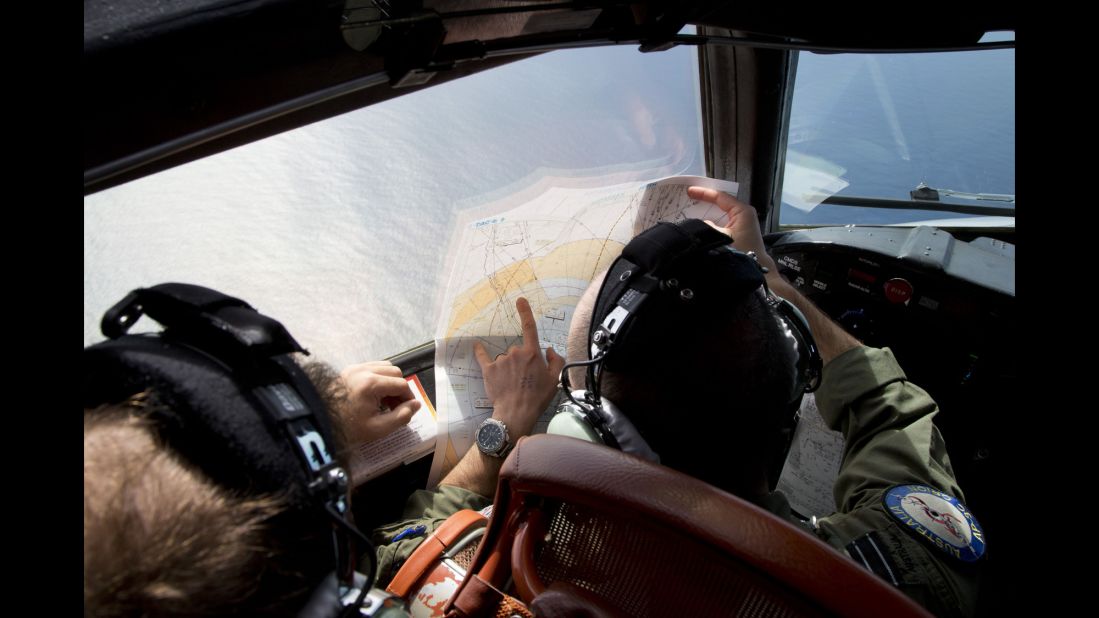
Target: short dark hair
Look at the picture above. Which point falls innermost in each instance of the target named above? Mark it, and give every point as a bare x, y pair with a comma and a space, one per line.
719, 400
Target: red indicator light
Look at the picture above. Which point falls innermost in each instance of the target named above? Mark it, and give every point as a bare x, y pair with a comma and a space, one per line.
858, 274
898, 291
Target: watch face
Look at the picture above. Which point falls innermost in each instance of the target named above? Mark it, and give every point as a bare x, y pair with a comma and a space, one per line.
490, 437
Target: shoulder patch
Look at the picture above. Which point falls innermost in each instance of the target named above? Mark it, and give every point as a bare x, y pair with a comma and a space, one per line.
937, 518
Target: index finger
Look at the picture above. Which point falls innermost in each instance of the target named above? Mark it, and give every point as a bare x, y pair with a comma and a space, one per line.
526, 318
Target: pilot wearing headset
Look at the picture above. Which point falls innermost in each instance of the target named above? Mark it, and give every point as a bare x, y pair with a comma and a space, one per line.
900, 511
696, 356
215, 465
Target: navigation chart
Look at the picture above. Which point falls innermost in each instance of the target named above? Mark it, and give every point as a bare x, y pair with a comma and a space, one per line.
813, 463
545, 243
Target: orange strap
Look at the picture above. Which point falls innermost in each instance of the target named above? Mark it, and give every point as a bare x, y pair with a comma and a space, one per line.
431, 551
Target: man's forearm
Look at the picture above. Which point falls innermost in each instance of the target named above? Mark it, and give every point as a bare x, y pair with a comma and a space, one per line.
831, 339
476, 472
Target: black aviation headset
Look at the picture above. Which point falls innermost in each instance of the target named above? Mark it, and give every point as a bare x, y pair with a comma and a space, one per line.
676, 271
238, 407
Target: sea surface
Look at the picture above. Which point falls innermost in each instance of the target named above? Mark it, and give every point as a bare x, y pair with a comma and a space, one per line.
339, 229
885, 123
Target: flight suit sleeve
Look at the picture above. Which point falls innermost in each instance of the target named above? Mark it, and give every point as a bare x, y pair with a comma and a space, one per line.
427, 508
887, 426
890, 440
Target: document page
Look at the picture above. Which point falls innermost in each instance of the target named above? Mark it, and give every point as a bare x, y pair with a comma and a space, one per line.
410, 442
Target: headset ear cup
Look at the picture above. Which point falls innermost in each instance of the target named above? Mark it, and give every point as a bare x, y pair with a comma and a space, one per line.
809, 362
628, 437
571, 422
592, 423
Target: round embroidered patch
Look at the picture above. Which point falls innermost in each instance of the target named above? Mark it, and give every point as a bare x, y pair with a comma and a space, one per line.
938, 518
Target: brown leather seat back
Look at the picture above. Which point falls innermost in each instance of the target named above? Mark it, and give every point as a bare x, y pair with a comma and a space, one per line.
638, 539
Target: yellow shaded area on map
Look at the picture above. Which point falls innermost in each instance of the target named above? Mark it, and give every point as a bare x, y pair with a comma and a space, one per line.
451, 457
580, 259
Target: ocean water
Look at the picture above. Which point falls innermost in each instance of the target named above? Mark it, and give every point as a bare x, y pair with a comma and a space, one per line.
339, 229
892, 121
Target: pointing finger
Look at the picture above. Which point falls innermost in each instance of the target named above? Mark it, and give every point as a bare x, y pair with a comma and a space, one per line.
530, 328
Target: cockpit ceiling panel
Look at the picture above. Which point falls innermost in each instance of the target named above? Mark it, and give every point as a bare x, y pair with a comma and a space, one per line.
168, 81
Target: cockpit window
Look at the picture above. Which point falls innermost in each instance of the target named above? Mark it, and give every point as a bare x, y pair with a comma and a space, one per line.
875, 137
339, 229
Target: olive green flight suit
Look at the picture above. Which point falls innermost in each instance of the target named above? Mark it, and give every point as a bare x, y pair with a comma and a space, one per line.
424, 508
890, 440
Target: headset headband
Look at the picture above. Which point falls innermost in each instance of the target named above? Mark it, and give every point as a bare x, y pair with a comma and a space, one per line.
232, 395
670, 279
234, 403
684, 269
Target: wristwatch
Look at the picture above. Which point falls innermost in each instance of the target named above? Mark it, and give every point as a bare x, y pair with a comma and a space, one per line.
493, 439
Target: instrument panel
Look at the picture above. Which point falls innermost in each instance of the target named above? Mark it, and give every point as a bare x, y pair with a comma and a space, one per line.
946, 308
